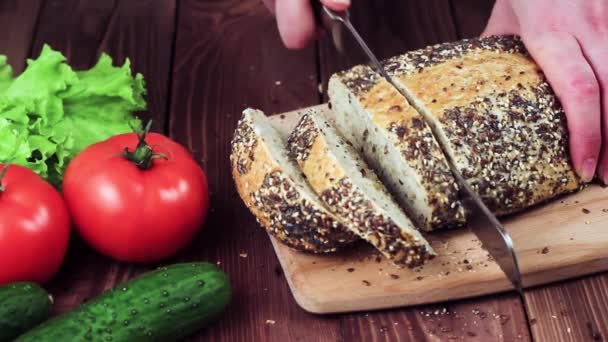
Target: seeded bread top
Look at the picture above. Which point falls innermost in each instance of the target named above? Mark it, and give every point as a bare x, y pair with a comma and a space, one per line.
499, 118
411, 135
287, 208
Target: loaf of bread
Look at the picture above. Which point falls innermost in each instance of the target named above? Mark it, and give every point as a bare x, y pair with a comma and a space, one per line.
351, 190
495, 115
398, 144
274, 189
481, 103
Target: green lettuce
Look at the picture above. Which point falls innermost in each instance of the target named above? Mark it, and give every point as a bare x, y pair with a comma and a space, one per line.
50, 113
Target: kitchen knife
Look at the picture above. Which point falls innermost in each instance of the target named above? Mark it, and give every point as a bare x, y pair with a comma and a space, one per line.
480, 219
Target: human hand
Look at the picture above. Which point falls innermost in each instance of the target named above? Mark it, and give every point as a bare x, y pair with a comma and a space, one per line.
569, 41
296, 19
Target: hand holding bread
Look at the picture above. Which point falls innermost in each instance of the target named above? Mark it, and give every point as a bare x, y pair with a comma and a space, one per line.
569, 41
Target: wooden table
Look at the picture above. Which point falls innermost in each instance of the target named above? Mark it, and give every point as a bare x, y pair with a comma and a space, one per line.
204, 61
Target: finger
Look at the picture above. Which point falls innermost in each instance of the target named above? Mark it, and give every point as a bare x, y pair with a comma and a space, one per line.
336, 5
270, 5
296, 22
570, 75
502, 20
597, 55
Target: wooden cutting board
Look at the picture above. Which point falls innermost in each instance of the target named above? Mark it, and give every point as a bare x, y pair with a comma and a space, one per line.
565, 238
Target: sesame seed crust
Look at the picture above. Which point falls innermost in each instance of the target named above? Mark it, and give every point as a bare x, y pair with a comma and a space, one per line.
403, 245
360, 79
418, 60
296, 221
419, 147
382, 232
278, 202
243, 146
512, 147
301, 139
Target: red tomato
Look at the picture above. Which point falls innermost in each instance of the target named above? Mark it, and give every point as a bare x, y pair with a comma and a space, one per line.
34, 227
133, 213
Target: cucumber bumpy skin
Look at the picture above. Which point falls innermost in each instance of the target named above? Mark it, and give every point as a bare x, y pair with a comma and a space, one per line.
23, 305
167, 304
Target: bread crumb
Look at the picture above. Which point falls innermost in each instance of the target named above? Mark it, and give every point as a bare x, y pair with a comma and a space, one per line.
586, 211
270, 322
243, 255
394, 276
350, 269
545, 250
366, 283
587, 222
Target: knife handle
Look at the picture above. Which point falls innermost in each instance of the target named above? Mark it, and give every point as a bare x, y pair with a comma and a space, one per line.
317, 9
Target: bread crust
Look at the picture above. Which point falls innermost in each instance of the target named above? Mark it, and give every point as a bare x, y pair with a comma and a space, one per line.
277, 202
403, 245
502, 124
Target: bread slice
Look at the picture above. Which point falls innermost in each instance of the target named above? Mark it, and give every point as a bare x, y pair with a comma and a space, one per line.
398, 144
495, 115
274, 189
353, 192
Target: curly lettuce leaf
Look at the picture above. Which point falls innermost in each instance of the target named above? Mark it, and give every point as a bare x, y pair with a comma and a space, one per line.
22, 148
50, 113
38, 87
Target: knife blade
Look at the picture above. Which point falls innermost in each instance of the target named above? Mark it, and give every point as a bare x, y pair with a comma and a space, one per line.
484, 224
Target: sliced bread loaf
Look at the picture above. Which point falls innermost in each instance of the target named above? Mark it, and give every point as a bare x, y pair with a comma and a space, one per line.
274, 189
353, 192
495, 115
398, 144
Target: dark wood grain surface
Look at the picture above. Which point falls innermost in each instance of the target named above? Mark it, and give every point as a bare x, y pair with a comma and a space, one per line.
204, 62
18, 20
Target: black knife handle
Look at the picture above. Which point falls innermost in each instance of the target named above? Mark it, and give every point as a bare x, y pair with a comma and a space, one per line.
317, 9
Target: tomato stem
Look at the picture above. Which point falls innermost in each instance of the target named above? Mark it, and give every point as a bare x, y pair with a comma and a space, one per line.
2, 174
143, 154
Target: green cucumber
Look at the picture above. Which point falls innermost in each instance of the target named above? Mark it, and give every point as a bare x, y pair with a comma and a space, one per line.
167, 304
23, 305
